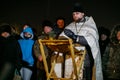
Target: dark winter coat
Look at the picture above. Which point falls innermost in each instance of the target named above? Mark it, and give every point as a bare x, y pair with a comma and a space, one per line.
9, 50
111, 57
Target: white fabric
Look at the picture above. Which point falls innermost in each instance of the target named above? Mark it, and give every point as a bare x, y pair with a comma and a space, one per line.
68, 68
89, 31
58, 69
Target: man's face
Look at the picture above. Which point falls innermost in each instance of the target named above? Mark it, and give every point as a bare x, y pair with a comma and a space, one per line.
77, 16
60, 23
47, 29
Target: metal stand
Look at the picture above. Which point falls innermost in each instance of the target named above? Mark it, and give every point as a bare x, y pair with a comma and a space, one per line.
62, 46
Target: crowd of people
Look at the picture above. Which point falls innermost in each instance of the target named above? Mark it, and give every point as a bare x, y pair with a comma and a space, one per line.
22, 51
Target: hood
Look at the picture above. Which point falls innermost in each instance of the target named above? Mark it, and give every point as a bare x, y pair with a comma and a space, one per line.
28, 30
114, 32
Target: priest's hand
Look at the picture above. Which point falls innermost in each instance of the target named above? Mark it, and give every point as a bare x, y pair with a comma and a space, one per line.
70, 34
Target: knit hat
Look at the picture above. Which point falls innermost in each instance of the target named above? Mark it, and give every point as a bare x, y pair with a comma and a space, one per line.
5, 28
47, 23
103, 30
78, 8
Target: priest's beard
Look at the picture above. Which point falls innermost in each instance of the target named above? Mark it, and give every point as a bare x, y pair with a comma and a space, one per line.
80, 20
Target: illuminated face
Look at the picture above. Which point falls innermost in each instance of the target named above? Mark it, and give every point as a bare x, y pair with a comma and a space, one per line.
60, 23
5, 34
27, 35
118, 35
103, 37
47, 29
77, 16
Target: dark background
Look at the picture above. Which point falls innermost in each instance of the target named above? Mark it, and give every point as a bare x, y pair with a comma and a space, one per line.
105, 12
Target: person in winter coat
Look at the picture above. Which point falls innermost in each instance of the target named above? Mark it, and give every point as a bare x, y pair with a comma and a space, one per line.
10, 53
26, 44
59, 25
104, 39
111, 57
47, 34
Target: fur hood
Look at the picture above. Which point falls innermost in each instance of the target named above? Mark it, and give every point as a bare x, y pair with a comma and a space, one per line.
114, 32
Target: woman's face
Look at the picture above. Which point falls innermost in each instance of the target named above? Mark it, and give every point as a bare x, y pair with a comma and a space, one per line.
103, 37
118, 35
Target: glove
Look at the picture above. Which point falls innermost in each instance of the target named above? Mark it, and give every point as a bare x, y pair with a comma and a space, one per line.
70, 34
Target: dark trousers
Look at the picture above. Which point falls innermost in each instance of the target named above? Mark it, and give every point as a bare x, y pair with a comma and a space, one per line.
87, 73
7, 71
41, 75
110, 79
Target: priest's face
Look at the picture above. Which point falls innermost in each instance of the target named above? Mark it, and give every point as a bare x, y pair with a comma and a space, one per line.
77, 16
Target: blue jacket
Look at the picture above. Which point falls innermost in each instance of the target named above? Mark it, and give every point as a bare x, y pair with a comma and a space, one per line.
26, 47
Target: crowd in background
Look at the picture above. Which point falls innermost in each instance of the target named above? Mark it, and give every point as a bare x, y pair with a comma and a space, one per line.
109, 42
17, 49
21, 50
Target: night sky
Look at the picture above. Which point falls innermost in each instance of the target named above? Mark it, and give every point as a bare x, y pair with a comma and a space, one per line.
105, 12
